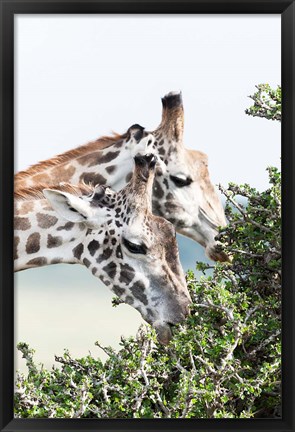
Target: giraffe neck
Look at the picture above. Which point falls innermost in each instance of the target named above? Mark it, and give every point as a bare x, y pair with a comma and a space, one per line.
42, 237
111, 166
106, 163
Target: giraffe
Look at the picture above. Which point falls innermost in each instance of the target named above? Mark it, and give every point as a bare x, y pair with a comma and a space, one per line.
183, 192
115, 235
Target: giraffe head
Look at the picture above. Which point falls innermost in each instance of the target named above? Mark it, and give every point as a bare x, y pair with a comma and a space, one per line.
132, 251
183, 193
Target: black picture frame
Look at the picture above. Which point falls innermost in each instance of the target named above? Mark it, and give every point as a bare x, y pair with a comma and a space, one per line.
8, 9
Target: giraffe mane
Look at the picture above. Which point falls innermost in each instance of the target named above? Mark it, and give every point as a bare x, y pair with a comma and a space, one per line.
99, 144
36, 192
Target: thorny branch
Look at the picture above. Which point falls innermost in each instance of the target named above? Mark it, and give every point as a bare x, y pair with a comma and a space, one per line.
222, 362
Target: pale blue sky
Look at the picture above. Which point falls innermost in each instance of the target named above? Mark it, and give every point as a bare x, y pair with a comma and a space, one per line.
79, 77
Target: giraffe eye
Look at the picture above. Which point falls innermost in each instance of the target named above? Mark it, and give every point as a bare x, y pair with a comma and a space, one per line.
134, 247
180, 181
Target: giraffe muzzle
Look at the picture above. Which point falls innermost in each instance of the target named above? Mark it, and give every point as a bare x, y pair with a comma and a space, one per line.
164, 333
215, 253
164, 329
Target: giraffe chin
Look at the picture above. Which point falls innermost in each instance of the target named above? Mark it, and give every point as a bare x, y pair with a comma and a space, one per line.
164, 333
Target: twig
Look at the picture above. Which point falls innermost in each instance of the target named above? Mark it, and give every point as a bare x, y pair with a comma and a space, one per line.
244, 214
264, 343
210, 305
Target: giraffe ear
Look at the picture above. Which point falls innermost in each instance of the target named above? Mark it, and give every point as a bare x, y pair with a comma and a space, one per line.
69, 206
136, 132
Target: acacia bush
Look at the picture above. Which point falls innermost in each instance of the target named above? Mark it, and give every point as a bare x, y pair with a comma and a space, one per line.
267, 102
223, 362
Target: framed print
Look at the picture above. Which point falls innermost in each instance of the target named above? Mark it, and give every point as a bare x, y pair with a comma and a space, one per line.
179, 314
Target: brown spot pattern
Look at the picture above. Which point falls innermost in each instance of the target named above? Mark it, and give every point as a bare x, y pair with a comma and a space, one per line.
86, 262
15, 246
118, 290
45, 220
94, 270
21, 223
61, 174
47, 208
56, 261
67, 226
108, 157
78, 250
158, 191
93, 178
105, 255
127, 274
129, 300
137, 290
26, 207
110, 169
150, 313
53, 241
33, 243
89, 159
98, 158
110, 269
37, 262
119, 252
93, 246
